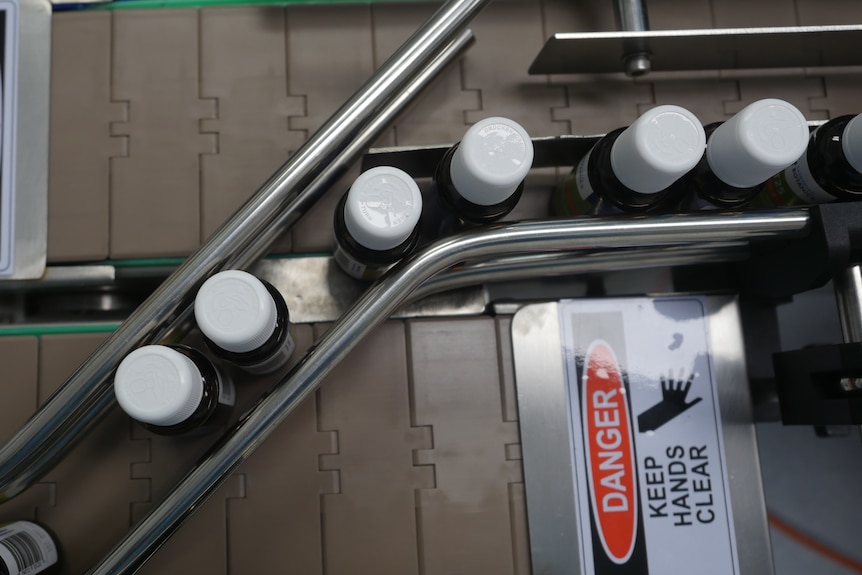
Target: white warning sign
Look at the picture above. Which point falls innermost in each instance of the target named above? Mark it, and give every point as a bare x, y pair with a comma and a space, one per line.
650, 474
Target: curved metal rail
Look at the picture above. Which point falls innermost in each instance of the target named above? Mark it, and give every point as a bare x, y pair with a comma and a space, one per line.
545, 265
86, 396
383, 298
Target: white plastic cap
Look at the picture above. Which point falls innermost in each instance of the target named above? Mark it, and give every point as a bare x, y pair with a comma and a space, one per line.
658, 149
758, 142
158, 385
851, 143
235, 311
494, 156
383, 207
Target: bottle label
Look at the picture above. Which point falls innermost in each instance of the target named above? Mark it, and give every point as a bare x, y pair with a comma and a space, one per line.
576, 196
795, 186
26, 548
275, 361
355, 268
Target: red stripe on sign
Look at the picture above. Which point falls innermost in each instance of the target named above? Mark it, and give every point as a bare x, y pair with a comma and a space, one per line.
610, 452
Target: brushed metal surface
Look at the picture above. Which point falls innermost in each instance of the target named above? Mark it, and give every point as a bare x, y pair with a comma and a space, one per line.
549, 152
316, 290
740, 437
709, 49
546, 446
421, 161
32, 96
63, 278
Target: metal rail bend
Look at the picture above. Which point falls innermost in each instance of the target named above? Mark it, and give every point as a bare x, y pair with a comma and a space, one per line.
544, 265
382, 299
87, 395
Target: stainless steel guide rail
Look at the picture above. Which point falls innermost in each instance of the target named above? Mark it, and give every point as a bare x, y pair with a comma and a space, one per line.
544, 265
384, 297
87, 395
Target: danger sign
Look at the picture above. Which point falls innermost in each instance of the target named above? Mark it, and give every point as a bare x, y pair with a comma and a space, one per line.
650, 473
609, 451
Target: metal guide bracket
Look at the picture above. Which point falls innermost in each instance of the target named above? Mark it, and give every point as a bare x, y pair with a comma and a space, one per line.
421, 161
784, 268
707, 49
820, 385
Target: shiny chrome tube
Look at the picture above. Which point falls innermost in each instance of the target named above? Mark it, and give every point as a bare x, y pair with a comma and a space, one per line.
848, 295
632, 17
534, 266
383, 298
289, 193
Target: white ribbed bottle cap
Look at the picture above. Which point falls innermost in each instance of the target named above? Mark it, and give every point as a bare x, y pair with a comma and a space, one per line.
758, 142
658, 149
158, 385
382, 208
851, 143
494, 156
235, 311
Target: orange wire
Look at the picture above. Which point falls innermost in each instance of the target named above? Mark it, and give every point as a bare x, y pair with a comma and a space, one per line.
813, 544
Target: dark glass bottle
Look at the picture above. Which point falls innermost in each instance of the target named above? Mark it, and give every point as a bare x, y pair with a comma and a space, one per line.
635, 169
830, 170
743, 153
173, 389
28, 548
245, 321
377, 222
480, 179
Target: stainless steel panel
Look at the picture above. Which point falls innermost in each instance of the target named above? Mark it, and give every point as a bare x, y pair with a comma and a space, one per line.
740, 437
546, 446
31, 134
316, 290
421, 161
711, 49
549, 152
65, 277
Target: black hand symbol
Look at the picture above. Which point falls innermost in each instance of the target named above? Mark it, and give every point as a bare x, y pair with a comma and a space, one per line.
673, 394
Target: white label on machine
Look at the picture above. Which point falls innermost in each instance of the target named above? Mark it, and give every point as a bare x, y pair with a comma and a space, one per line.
650, 473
